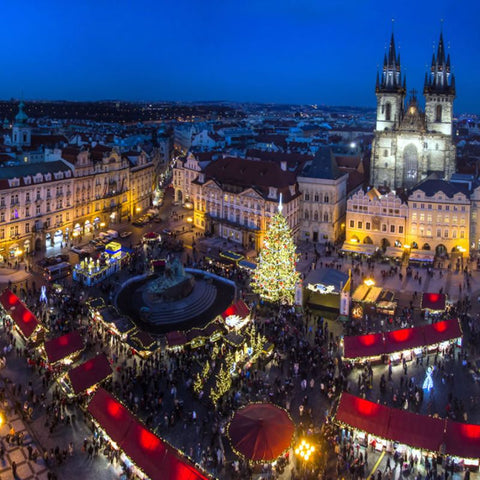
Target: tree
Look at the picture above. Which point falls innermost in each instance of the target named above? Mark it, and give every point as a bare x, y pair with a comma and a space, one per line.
275, 277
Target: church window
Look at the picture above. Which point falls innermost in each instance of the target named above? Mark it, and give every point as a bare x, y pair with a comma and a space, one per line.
360, 225
367, 225
438, 113
385, 153
388, 111
352, 223
400, 229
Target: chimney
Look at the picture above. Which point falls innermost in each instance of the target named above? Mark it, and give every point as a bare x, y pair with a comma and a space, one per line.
283, 166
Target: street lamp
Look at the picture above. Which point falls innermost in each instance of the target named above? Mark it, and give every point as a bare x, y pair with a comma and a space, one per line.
304, 450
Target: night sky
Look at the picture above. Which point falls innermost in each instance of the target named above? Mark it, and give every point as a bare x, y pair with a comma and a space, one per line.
285, 51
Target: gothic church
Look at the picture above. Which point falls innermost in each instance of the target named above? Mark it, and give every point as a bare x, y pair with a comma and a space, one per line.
410, 144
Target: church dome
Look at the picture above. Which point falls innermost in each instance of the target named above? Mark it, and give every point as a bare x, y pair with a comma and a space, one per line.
21, 117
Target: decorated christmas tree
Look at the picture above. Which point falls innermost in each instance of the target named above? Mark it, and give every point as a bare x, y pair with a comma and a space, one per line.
275, 277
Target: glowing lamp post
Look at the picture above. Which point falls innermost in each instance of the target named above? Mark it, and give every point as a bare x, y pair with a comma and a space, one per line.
369, 282
304, 450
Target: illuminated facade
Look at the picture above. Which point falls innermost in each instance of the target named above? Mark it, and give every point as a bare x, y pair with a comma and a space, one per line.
376, 219
410, 144
439, 217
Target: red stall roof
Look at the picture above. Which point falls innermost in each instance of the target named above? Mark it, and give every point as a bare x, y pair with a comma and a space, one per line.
156, 458
442, 331
404, 339
362, 414
89, 373
114, 418
462, 440
419, 431
61, 347
239, 308
370, 345
21, 315
434, 301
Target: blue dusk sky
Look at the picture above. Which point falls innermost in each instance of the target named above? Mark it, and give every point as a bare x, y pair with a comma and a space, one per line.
284, 51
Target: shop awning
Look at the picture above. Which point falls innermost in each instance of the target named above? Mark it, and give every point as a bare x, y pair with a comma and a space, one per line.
420, 431
442, 331
90, 373
434, 301
24, 319
361, 249
248, 265
363, 415
363, 345
462, 440
404, 339
158, 460
393, 252
422, 256
61, 347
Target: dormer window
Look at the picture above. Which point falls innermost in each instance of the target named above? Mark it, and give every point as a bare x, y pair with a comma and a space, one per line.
272, 192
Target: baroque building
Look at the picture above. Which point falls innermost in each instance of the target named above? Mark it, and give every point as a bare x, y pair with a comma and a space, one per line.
410, 144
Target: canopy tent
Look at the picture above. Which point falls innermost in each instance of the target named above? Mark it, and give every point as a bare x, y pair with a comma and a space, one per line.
326, 280
90, 373
61, 347
434, 301
363, 415
426, 256
393, 252
404, 339
261, 432
24, 319
356, 346
360, 293
443, 331
421, 431
359, 248
157, 459
462, 439
373, 295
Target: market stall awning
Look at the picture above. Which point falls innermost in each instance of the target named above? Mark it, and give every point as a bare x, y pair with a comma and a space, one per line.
356, 346
90, 373
434, 301
462, 440
426, 256
420, 431
360, 293
442, 331
394, 252
363, 415
404, 339
361, 249
61, 347
24, 319
373, 295
158, 460
112, 416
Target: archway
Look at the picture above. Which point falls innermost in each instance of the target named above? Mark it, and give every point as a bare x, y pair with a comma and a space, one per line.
367, 241
410, 162
385, 243
426, 246
38, 244
354, 239
414, 245
441, 250
398, 244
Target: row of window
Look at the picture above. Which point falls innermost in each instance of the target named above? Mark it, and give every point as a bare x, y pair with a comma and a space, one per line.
316, 198
428, 232
440, 218
368, 226
391, 211
455, 208
316, 216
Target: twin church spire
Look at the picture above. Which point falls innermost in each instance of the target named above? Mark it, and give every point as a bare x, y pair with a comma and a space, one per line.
391, 80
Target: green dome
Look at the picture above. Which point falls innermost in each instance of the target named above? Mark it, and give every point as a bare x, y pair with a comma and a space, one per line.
21, 116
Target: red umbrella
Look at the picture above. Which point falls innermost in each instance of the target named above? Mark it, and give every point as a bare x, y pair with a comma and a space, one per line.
261, 432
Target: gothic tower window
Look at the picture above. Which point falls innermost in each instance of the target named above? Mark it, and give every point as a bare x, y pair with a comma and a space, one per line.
388, 111
438, 113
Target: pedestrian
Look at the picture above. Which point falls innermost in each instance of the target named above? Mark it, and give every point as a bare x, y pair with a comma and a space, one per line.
14, 469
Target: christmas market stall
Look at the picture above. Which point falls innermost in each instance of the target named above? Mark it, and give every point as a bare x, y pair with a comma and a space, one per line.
87, 376
151, 238
25, 322
247, 265
358, 249
395, 253
462, 442
236, 316
232, 256
144, 454
90, 272
323, 287
64, 349
114, 322
261, 432
434, 303
445, 332
400, 344
421, 257
142, 343
364, 347
176, 340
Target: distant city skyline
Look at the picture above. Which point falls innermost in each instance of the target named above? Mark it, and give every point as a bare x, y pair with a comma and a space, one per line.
288, 51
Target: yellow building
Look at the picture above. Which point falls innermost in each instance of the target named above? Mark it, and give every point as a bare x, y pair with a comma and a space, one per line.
439, 217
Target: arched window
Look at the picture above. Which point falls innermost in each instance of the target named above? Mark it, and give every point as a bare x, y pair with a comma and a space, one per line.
388, 111
438, 113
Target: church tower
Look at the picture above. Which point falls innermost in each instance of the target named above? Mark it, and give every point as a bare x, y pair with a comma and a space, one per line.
390, 91
21, 131
439, 91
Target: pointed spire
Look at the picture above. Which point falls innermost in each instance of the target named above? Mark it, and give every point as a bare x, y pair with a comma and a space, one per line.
391, 52
385, 60
377, 82
448, 63
405, 82
441, 51
425, 83
433, 60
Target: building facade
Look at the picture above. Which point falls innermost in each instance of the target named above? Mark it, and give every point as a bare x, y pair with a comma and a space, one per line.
373, 218
410, 144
